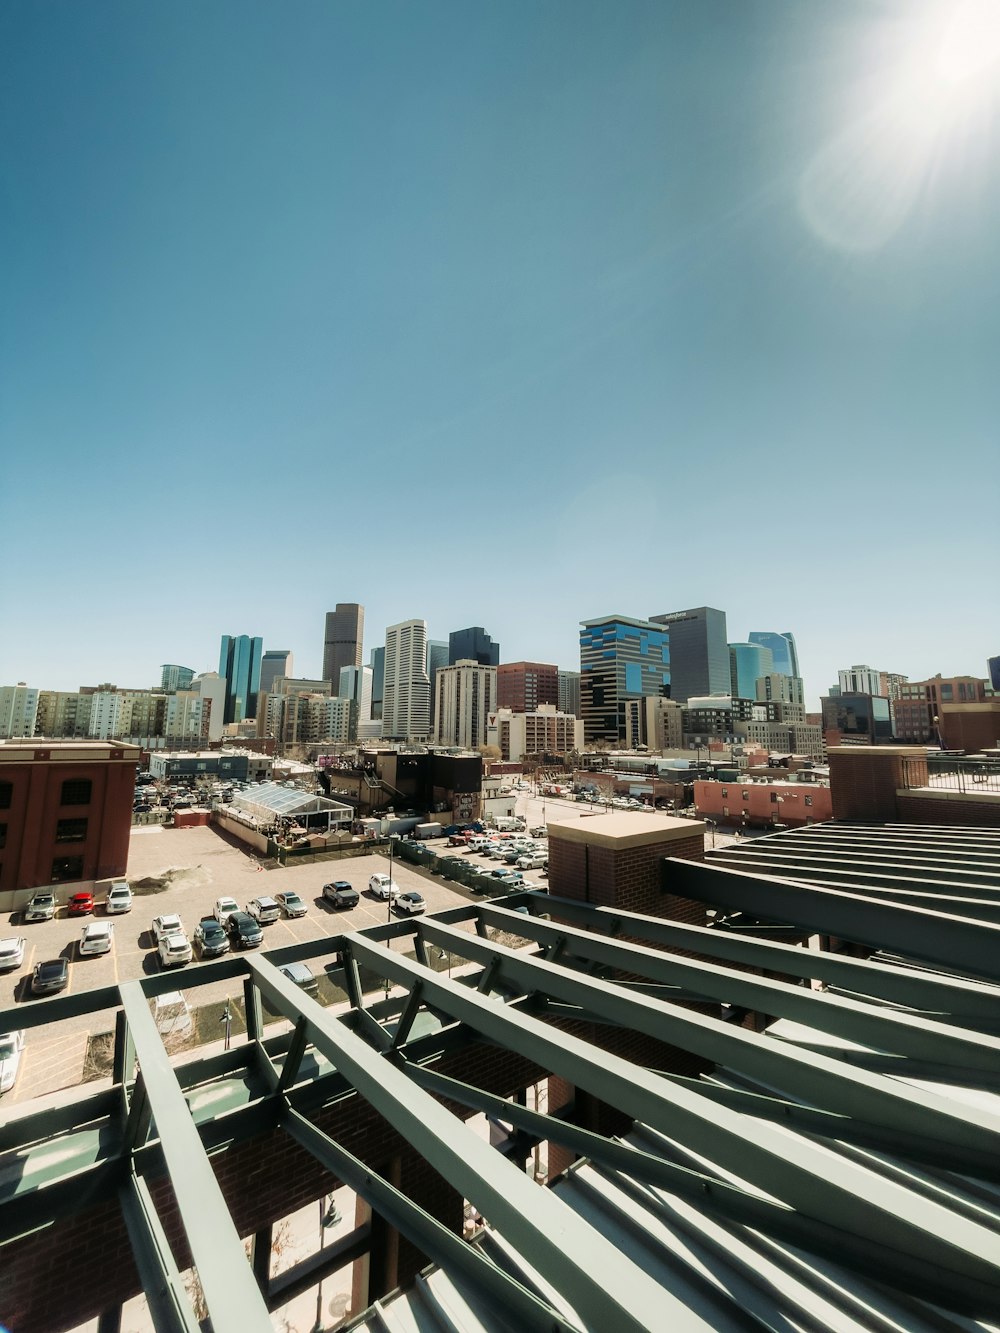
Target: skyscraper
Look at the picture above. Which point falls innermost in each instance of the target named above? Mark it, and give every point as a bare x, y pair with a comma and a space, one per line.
783, 650
860, 680
699, 653
993, 667
378, 680
342, 640
523, 686
472, 645
174, 677
569, 693
747, 663
275, 662
406, 696
239, 665
620, 659
466, 696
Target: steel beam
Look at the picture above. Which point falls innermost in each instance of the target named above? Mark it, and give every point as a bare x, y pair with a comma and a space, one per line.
848, 1019
166, 1297
234, 1303
930, 992
857, 1200
567, 1252
956, 942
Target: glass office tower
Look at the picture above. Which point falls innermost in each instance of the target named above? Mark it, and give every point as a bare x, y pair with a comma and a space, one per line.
699, 652
239, 666
620, 659
783, 650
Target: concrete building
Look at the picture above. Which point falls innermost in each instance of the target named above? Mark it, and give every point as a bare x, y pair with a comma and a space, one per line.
174, 677
715, 717
546, 731
343, 639
466, 695
919, 706
569, 692
783, 650
654, 722
65, 813
136, 714
239, 666
63, 713
748, 662
472, 645
406, 701
620, 659
234, 765
197, 712
275, 662
437, 657
356, 686
699, 652
525, 686
780, 688
18, 710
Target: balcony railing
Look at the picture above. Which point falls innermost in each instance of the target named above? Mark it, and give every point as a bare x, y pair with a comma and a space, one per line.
969, 776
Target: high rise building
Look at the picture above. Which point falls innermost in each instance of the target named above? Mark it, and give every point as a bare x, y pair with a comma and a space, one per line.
472, 645
356, 686
993, 671
437, 657
699, 653
196, 713
18, 710
406, 697
856, 718
239, 665
747, 663
378, 680
783, 651
860, 680
655, 723
174, 677
275, 662
526, 686
466, 696
547, 732
569, 693
778, 687
620, 659
343, 638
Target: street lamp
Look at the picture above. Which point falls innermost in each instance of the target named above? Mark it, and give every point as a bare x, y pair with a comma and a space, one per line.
227, 1018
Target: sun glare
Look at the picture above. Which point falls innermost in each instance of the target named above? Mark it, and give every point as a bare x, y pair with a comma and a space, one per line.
933, 97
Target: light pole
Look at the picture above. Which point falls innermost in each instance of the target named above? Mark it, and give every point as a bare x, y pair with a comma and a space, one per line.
227, 1018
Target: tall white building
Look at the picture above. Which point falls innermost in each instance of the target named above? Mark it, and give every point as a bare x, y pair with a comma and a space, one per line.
545, 731
569, 692
356, 684
198, 710
778, 688
406, 696
860, 680
465, 694
18, 710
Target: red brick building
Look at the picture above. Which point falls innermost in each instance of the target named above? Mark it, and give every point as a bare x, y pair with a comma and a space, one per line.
65, 812
522, 686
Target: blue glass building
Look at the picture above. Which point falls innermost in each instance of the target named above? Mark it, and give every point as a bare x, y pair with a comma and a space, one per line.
239, 666
747, 663
783, 650
620, 659
472, 645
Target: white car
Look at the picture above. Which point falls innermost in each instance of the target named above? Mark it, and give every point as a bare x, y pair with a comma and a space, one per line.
411, 902
263, 910
11, 1046
119, 897
42, 906
175, 949
224, 908
96, 938
383, 887
12, 952
169, 924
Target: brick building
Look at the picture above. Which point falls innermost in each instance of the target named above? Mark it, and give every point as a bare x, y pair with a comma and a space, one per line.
65, 812
522, 686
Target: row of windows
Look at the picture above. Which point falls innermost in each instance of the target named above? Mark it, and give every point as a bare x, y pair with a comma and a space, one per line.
774, 796
75, 791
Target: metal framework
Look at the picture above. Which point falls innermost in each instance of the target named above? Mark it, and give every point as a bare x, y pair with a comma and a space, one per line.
838, 1169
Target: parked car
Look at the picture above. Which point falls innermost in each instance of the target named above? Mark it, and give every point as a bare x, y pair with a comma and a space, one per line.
174, 950
290, 903
533, 861
244, 932
341, 894
40, 907
97, 937
81, 904
224, 907
539, 831
383, 887
119, 897
301, 975
411, 902
210, 938
505, 873
50, 976
12, 952
263, 910
11, 1046
168, 924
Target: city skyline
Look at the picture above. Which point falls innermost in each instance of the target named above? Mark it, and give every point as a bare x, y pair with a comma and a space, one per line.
439, 259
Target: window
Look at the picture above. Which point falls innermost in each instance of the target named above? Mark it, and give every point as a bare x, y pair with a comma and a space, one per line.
71, 830
66, 868
725, 791
6, 791
3, 836
725, 811
809, 800
76, 791
774, 798
745, 795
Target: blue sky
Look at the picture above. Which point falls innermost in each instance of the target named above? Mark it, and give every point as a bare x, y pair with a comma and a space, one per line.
507, 314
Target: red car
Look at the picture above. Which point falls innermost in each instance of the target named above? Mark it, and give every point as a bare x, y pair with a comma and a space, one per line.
81, 904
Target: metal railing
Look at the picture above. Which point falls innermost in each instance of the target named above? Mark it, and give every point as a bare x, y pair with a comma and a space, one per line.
948, 773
